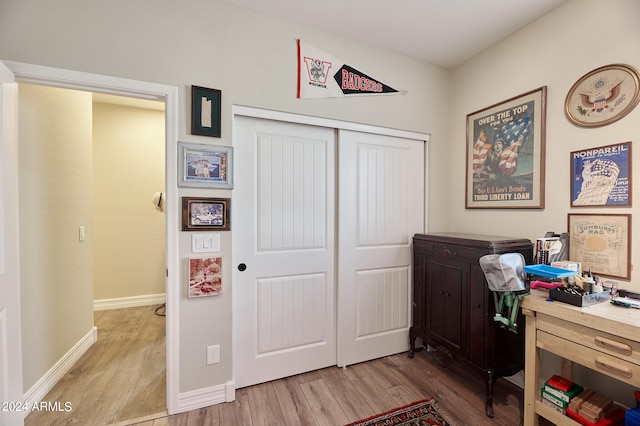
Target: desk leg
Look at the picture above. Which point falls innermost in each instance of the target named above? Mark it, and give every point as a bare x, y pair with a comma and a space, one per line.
531, 369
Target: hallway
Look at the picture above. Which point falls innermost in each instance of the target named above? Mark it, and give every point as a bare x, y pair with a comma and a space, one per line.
121, 377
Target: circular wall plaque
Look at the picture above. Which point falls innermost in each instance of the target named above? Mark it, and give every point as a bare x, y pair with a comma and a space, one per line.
603, 96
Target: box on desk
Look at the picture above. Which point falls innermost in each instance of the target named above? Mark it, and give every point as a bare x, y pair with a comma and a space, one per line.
561, 295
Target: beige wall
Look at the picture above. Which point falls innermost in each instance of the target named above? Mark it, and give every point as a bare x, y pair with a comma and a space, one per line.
554, 51
55, 200
251, 58
128, 231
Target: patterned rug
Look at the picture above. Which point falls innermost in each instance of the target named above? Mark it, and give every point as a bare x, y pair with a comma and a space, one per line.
423, 412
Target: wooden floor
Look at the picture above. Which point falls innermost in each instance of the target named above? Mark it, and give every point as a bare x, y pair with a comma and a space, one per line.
122, 376
335, 396
331, 396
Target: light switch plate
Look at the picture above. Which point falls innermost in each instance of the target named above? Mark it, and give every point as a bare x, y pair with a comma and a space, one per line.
204, 243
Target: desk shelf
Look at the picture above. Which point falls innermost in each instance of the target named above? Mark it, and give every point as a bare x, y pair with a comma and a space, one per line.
552, 415
601, 337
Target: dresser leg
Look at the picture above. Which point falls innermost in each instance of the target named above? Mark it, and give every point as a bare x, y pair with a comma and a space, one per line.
412, 342
488, 405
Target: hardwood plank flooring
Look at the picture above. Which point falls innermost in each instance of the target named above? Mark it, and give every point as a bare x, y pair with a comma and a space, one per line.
122, 376
111, 385
335, 396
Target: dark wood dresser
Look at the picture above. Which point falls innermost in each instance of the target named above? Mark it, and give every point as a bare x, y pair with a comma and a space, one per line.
453, 308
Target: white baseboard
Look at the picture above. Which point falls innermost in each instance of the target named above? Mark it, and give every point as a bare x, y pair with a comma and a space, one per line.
205, 397
129, 302
231, 391
42, 387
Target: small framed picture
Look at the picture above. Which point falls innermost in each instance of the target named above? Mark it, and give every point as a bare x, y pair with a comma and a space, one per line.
205, 166
601, 176
206, 214
205, 276
206, 105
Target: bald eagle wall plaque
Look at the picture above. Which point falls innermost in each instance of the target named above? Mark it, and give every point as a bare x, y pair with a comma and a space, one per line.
603, 96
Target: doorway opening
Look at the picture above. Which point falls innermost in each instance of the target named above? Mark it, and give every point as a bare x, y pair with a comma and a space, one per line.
53, 77
91, 165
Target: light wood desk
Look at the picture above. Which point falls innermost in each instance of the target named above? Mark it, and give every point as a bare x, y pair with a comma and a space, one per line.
602, 337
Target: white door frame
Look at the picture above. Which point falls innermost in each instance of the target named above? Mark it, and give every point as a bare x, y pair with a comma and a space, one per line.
238, 110
46, 76
10, 321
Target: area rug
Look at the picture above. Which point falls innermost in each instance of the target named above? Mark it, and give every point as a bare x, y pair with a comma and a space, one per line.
423, 412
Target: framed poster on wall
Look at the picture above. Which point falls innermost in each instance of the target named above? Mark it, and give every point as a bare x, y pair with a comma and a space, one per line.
602, 243
505, 154
601, 176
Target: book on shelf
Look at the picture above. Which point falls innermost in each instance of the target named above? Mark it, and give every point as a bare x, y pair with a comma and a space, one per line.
553, 405
574, 390
553, 399
560, 383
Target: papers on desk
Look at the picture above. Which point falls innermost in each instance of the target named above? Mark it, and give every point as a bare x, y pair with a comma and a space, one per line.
626, 302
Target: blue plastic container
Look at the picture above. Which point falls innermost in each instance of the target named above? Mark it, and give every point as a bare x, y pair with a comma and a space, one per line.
632, 417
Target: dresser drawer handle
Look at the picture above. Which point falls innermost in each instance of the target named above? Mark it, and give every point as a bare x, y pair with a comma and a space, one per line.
619, 347
445, 251
619, 370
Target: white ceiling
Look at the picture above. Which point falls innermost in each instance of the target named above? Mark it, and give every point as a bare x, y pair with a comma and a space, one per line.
442, 32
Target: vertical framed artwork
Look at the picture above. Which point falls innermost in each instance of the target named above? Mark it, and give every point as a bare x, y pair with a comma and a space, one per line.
602, 243
206, 111
505, 154
206, 214
205, 276
601, 176
205, 166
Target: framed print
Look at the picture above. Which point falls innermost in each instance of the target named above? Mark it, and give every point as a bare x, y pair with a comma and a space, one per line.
505, 154
205, 166
603, 96
205, 276
601, 242
206, 214
601, 176
206, 107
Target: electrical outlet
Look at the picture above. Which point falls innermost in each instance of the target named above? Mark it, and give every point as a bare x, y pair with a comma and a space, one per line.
213, 354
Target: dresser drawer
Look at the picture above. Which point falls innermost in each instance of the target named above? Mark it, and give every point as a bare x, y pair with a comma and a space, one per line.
596, 360
451, 251
616, 346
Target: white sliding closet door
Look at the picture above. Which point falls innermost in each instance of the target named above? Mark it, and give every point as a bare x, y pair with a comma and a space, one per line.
293, 235
283, 232
381, 204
